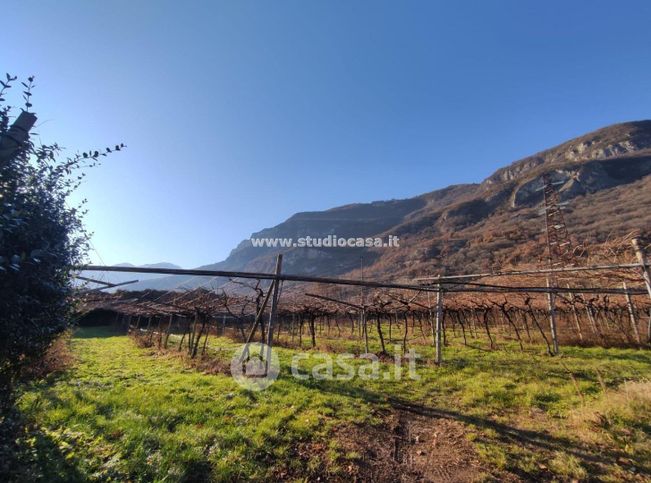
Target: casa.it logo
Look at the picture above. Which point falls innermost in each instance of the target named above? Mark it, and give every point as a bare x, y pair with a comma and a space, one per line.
255, 366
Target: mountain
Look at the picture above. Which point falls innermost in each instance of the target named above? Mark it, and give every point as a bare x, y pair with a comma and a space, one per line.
603, 176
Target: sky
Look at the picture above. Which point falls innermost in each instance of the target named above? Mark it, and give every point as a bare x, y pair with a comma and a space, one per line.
238, 114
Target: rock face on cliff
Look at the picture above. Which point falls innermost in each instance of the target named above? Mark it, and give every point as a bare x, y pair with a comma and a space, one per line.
608, 142
580, 178
604, 177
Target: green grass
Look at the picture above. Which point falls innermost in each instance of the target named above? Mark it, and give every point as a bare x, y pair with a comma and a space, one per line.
122, 412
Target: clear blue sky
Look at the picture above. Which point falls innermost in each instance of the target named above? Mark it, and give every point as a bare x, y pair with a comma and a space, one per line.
238, 114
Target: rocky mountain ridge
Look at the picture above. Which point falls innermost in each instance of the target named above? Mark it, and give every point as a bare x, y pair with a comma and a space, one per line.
603, 176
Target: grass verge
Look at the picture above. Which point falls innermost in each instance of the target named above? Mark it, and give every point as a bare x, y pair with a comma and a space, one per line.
127, 413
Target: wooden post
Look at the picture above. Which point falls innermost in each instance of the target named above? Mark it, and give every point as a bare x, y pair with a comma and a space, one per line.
205, 340
551, 300
593, 321
256, 321
406, 334
169, 329
201, 318
439, 324
378, 324
431, 320
363, 326
631, 314
186, 327
160, 332
192, 333
575, 315
150, 330
272, 313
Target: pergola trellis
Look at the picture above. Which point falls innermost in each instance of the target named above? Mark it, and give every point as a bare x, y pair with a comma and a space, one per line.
390, 301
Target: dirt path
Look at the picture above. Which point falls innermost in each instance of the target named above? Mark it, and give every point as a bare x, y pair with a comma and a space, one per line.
409, 448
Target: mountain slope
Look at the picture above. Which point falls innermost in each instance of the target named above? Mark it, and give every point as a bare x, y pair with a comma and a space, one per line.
603, 175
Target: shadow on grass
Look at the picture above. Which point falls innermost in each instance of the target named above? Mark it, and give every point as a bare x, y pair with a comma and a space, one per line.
29, 454
98, 332
593, 457
642, 356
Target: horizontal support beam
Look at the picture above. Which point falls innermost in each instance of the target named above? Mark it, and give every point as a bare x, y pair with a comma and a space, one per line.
88, 279
252, 275
371, 284
112, 285
556, 290
507, 273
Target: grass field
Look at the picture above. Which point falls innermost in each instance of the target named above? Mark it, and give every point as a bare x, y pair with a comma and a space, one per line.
123, 412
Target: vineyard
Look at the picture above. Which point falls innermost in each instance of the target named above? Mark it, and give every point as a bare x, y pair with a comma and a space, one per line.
523, 373
507, 389
383, 242
606, 305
